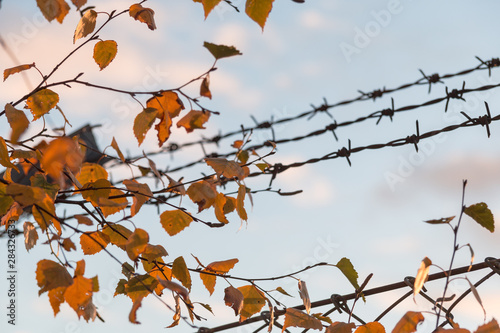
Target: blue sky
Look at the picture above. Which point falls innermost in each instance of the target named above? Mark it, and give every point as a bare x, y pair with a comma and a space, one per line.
300, 58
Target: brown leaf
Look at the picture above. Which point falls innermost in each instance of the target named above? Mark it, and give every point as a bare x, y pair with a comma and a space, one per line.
68, 244
140, 286
176, 186
136, 243
194, 120
85, 26
93, 242
41, 102
115, 203
228, 169
83, 220
12, 214
175, 287
142, 14
51, 275
30, 235
304, 295
409, 322
174, 221
79, 3
53, 9
205, 87
203, 194
153, 252
181, 272
339, 327
9, 71
234, 299
297, 318
44, 213
118, 235
25, 195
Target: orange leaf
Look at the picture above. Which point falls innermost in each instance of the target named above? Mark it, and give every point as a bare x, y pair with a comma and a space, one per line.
114, 144
204, 88
166, 102
44, 213
193, 120
409, 322
228, 169
142, 14
203, 194
153, 252
218, 267
68, 244
175, 288
373, 327
491, 327
17, 121
79, 3
59, 154
13, 213
174, 221
140, 286
9, 71
39, 180
253, 301
455, 330
339, 327
181, 272
297, 318
80, 268
56, 298
141, 192
79, 293
176, 186
114, 204
104, 52
136, 243
30, 235
93, 191
258, 10
118, 235
90, 172
143, 122
240, 202
25, 195
220, 201
234, 298
93, 242
83, 220
422, 274
51, 275
42, 102
53, 9
86, 25
163, 129
208, 5
4, 156
132, 317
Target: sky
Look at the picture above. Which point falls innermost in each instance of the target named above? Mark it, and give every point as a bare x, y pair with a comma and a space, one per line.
319, 49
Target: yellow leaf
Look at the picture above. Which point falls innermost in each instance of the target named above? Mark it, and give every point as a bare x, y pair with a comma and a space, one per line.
166, 102
79, 293
93, 242
174, 221
17, 69
373, 327
422, 274
53, 9
143, 122
181, 272
194, 120
141, 192
42, 102
253, 301
234, 299
203, 194
59, 154
339, 327
4, 156
258, 10
30, 235
240, 202
297, 318
85, 26
230, 205
205, 87
90, 172
136, 243
409, 322
228, 169
118, 235
114, 144
51, 275
142, 14
104, 52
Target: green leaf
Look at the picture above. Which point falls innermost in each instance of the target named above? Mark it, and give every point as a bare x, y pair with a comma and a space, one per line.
258, 10
482, 215
348, 270
441, 220
221, 51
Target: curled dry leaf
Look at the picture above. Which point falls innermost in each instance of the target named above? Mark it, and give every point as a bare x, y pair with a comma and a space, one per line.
143, 14
9, 71
30, 235
86, 25
304, 295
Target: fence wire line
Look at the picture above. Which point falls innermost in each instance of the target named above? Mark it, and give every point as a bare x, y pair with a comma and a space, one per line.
325, 107
340, 305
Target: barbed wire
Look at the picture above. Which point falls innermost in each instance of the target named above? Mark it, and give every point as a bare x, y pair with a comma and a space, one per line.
340, 304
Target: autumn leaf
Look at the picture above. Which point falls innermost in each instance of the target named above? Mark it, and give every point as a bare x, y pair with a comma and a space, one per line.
115, 203
482, 215
194, 120
208, 5
12, 214
132, 317
422, 274
44, 212
79, 294
91, 172
217, 267
176, 186
175, 287
93, 191
153, 252
53, 9
444, 220
177, 314
228, 169
240, 203
118, 235
68, 244
203, 194
373, 327
451, 330
221, 51
104, 52
93, 242
136, 243
56, 298
85, 26
258, 10
41, 102
297, 318
409, 322
490, 327
140, 286
79, 3
59, 154
25, 195
141, 192
51, 275
181, 272
348, 270
220, 201
39, 180
166, 102
9, 71
234, 299
142, 14
143, 122
163, 129
340, 327
174, 221
4, 156
205, 87
114, 144
30, 235
304, 295
253, 301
